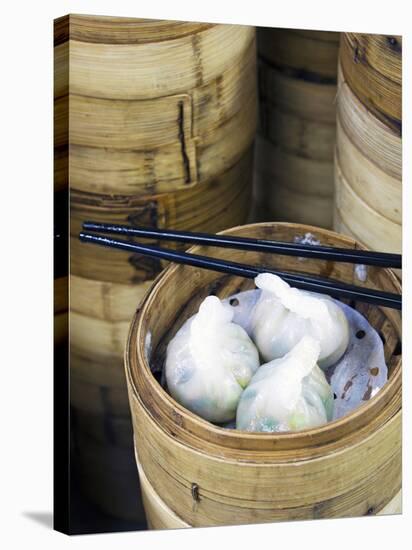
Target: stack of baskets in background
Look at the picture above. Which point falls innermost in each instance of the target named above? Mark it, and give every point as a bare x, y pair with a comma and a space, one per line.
368, 167
162, 126
295, 147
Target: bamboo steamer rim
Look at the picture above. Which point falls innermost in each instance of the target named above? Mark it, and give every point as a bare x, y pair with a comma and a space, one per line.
233, 438
103, 29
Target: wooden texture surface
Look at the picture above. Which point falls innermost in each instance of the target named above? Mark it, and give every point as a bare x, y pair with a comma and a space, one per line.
312, 52
153, 113
374, 230
297, 111
160, 516
211, 206
372, 66
211, 476
290, 187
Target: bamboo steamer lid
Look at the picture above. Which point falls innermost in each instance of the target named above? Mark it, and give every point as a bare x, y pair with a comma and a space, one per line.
211, 476
373, 229
312, 52
211, 206
372, 66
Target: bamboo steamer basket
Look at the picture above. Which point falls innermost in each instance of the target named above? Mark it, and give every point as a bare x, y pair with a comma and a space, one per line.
313, 52
297, 112
211, 206
291, 187
374, 139
373, 229
292, 93
160, 516
372, 66
370, 156
211, 476
156, 112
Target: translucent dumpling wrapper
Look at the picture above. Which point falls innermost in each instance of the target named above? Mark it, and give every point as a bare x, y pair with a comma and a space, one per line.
283, 315
287, 394
210, 361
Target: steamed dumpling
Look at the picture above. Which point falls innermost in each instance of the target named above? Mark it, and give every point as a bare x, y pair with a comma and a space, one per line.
287, 394
283, 315
210, 361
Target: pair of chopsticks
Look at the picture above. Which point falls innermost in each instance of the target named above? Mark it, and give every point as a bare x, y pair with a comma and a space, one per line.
299, 280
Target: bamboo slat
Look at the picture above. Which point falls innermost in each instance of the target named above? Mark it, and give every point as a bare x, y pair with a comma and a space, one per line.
373, 229
312, 52
212, 476
374, 76
210, 206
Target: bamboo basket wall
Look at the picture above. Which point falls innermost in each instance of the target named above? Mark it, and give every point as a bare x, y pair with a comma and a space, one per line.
368, 163
160, 516
294, 152
162, 121
207, 475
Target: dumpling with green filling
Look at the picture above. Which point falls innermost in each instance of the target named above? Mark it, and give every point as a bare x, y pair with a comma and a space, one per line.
283, 315
287, 394
209, 362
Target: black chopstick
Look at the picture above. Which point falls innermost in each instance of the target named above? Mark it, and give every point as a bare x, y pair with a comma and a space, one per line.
364, 257
322, 285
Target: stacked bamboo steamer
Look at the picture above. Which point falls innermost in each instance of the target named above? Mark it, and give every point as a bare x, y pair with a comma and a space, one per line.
195, 473
294, 151
162, 124
368, 164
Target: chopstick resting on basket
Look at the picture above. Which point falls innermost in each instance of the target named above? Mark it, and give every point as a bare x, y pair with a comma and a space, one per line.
303, 281
364, 257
